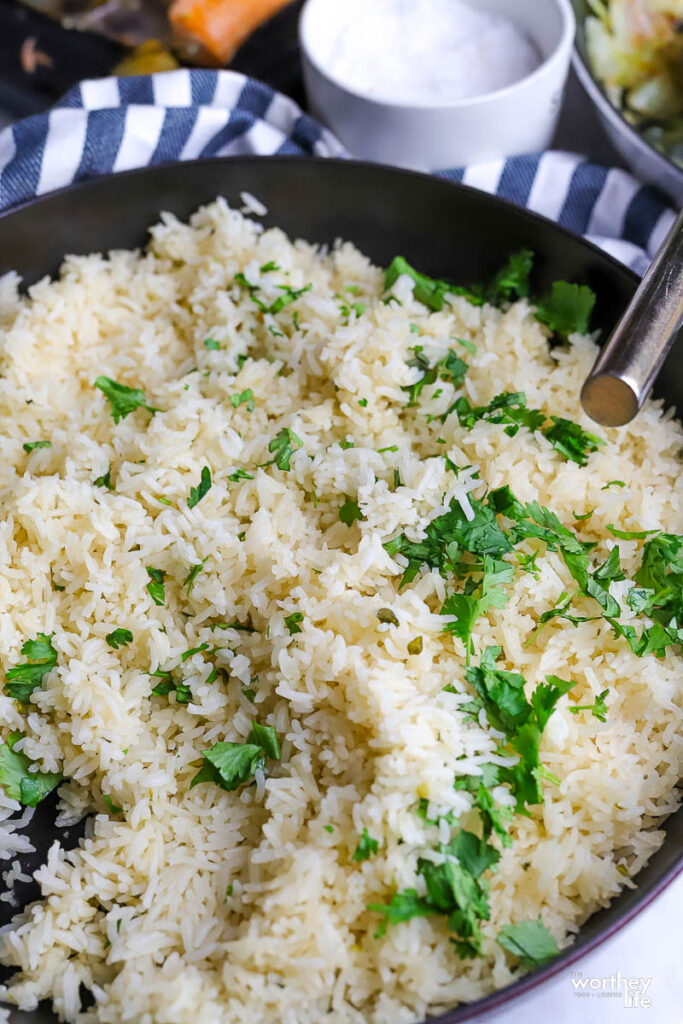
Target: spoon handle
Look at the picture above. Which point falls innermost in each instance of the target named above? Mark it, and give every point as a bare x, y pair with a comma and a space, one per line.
627, 366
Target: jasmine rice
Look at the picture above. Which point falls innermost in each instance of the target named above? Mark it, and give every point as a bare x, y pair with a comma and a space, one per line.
361, 729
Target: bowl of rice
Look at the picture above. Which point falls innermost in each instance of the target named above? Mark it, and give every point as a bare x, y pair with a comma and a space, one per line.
341, 652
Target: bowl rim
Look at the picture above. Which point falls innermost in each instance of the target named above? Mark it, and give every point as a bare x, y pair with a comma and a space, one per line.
644, 894
612, 113
567, 33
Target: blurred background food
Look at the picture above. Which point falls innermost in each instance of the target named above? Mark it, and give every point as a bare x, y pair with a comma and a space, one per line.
635, 48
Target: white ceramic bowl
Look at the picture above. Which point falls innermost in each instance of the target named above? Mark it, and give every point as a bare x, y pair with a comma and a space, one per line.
520, 118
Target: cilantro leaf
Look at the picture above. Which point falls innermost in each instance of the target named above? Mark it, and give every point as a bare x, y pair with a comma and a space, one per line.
598, 708
366, 847
546, 695
474, 854
240, 474
104, 480
30, 446
427, 290
530, 941
402, 907
122, 399
155, 587
570, 440
16, 778
508, 407
119, 638
502, 693
266, 738
197, 493
350, 512
192, 576
292, 622
23, 679
211, 344
512, 280
240, 399
229, 765
113, 808
567, 310
284, 444
629, 534
451, 368
289, 295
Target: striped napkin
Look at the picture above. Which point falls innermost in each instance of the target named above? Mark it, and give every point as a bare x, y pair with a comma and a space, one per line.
115, 124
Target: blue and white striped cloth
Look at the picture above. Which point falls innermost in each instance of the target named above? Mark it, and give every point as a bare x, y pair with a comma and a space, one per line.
115, 124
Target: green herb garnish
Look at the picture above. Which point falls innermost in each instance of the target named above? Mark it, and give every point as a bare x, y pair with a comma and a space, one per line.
197, 493
23, 679
122, 399
119, 638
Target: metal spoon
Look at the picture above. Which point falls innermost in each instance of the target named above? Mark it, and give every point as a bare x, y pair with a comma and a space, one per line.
627, 366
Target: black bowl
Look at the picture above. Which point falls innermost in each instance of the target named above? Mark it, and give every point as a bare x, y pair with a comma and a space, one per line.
445, 230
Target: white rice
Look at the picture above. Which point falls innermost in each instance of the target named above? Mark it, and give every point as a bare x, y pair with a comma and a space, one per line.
139, 914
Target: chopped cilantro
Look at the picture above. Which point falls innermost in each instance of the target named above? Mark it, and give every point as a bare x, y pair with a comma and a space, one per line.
613, 483
240, 474
212, 345
30, 446
155, 587
366, 847
289, 295
389, 448
508, 407
598, 708
629, 534
329, 828
119, 638
426, 290
292, 622
104, 480
196, 650
23, 679
469, 346
567, 310
240, 399
346, 443
451, 368
168, 685
570, 440
350, 512
402, 907
192, 576
467, 607
17, 779
197, 493
266, 738
530, 941
249, 694
123, 400
113, 809
363, 402
580, 518
512, 280
229, 765
284, 444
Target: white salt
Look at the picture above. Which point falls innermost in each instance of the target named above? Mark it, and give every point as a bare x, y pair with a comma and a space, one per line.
423, 51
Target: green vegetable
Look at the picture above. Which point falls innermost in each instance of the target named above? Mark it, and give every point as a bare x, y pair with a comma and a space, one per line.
570, 440
123, 400
155, 587
530, 941
629, 534
363, 402
350, 512
231, 764
212, 345
249, 694
113, 809
23, 679
292, 622
265, 737
240, 474
30, 446
192, 576
613, 483
567, 310
451, 368
169, 685
196, 650
598, 708
448, 536
467, 607
104, 480
284, 444
426, 289
197, 493
16, 778
402, 907
239, 399
366, 847
119, 638
508, 407
512, 280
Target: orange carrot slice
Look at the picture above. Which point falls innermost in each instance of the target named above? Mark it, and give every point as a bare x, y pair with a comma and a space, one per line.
221, 26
